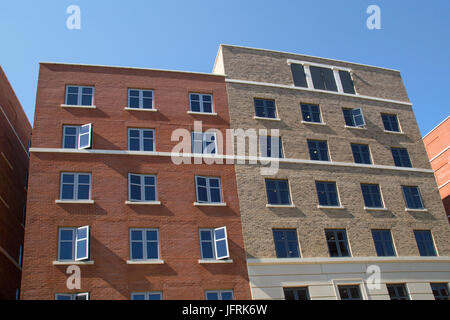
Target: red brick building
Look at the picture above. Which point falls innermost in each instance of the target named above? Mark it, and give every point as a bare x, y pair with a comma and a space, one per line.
101, 159
15, 132
437, 144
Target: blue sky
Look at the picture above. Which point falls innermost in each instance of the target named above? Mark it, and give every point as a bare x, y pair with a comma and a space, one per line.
185, 35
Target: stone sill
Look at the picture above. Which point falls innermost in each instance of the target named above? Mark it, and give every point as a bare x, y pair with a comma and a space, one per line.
263, 118
202, 113
355, 127
375, 209
141, 109
416, 210
68, 263
314, 123
331, 207
154, 261
149, 203
77, 106
210, 204
280, 205
203, 261
395, 132
75, 201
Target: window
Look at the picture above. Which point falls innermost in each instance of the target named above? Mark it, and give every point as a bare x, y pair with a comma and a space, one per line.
144, 244
296, 293
20, 255
79, 96
214, 244
201, 102
354, 117
412, 197
397, 292
337, 243
265, 108
401, 157
141, 139
311, 113
204, 142
73, 244
271, 146
278, 192
142, 188
390, 122
298, 75
146, 296
327, 194
140, 99
219, 295
286, 243
72, 296
24, 214
349, 292
383, 243
17, 294
361, 153
323, 78
347, 82
440, 291
318, 150
77, 137
208, 189
75, 186
425, 242
372, 196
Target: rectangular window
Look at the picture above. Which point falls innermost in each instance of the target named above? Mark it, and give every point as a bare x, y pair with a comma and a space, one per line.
201, 103
323, 78
140, 99
286, 243
440, 291
144, 244
72, 296
401, 157
349, 292
397, 291
383, 243
79, 96
372, 195
278, 192
142, 188
73, 244
327, 193
214, 244
412, 197
219, 295
361, 153
20, 255
425, 242
77, 137
271, 147
265, 108
298, 75
311, 113
354, 117
208, 189
337, 243
141, 139
300, 293
75, 186
146, 296
390, 122
318, 150
204, 142
347, 82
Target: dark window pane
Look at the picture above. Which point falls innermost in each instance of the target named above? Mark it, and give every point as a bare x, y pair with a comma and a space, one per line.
347, 82
323, 78
298, 75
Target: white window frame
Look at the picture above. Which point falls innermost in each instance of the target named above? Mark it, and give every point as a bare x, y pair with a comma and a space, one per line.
214, 241
74, 243
141, 139
201, 95
219, 293
204, 141
80, 95
77, 240
263, 142
75, 186
72, 296
77, 135
142, 186
208, 189
141, 99
144, 241
88, 133
147, 294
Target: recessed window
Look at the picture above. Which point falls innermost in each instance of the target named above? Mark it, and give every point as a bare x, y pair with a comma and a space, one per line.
286, 243
208, 189
323, 78
278, 192
141, 139
440, 291
425, 242
318, 150
75, 186
383, 243
73, 296
354, 117
201, 103
79, 96
140, 99
347, 82
20, 255
204, 142
214, 244
271, 147
77, 137
219, 295
311, 113
397, 291
337, 243
372, 195
146, 296
265, 108
298, 75
390, 122
300, 293
352, 292
327, 193
361, 153
142, 188
412, 197
144, 244
401, 157
73, 244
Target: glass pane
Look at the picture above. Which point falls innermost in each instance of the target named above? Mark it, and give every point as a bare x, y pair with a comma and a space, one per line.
148, 144
86, 100
147, 94
219, 233
137, 249
150, 193
83, 192
221, 248
215, 195
152, 235
227, 295
87, 91
63, 297
212, 296
202, 194
147, 103
134, 93
81, 249
66, 235
154, 296
136, 235
72, 90
207, 250
68, 178
134, 144
67, 192
84, 178
134, 133
81, 233
65, 250
72, 99
149, 180
152, 250
135, 192
280, 249
138, 297
84, 140
134, 102
195, 106
289, 295
207, 107
205, 235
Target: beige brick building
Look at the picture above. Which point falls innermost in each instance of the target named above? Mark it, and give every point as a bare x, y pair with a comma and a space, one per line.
409, 209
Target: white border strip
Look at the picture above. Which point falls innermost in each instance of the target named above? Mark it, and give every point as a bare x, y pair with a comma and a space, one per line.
10, 124
443, 185
439, 154
436, 127
302, 62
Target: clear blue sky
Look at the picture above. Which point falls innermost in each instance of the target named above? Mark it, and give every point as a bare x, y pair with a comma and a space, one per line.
185, 35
